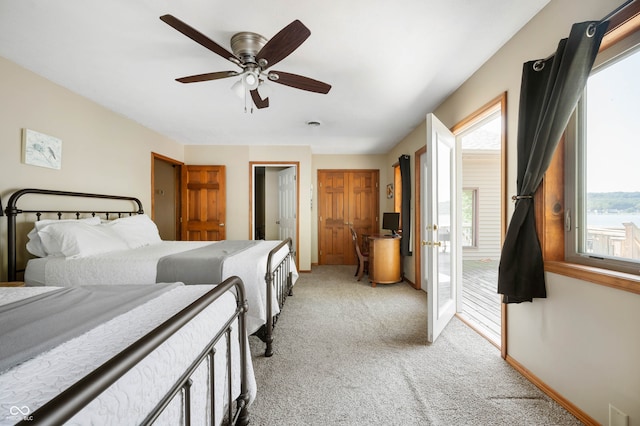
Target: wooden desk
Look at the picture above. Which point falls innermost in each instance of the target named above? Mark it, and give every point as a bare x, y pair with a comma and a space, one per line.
12, 284
384, 259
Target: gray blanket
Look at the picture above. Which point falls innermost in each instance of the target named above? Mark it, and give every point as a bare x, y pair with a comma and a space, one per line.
39, 323
199, 266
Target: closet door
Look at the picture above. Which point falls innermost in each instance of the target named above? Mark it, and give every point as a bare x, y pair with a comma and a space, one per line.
203, 203
345, 198
364, 197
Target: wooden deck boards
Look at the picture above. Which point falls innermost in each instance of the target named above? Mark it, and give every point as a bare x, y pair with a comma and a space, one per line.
480, 301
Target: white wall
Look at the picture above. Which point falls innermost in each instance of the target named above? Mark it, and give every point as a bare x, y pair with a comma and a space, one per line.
237, 159
102, 151
583, 340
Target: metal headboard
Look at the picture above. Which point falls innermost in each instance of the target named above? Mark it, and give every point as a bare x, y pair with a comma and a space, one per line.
12, 211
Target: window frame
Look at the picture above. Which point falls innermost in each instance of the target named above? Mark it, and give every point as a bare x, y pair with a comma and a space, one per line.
474, 217
397, 189
550, 197
576, 156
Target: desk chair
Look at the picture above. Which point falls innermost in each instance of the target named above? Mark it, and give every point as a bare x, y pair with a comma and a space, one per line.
363, 260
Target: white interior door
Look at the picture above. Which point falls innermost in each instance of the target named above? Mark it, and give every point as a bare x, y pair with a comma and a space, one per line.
287, 204
442, 251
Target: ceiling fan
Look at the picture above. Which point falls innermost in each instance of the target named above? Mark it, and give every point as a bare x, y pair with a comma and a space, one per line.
254, 54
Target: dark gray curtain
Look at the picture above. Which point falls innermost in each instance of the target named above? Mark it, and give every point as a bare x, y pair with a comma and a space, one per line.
405, 211
550, 90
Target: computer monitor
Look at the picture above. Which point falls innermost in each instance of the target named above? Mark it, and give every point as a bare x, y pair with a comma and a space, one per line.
391, 222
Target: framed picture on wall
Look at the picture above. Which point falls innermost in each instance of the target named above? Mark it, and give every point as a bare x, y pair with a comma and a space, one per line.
41, 150
390, 190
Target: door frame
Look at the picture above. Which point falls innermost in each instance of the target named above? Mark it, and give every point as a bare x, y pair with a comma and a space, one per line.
417, 241
499, 102
280, 164
178, 190
502, 101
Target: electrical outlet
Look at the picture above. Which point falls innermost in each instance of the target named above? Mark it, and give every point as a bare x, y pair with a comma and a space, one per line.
617, 417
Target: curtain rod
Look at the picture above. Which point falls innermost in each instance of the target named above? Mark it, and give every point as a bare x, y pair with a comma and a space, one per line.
600, 22
615, 11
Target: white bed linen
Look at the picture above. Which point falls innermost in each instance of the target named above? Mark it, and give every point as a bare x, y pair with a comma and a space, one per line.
138, 266
32, 383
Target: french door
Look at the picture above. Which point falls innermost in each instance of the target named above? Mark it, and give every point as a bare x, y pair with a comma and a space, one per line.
441, 251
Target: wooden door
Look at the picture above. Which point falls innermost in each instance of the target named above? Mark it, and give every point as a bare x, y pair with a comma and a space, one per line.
166, 195
203, 203
364, 199
345, 198
333, 231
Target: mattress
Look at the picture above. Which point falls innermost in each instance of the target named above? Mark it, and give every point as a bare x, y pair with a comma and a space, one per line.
29, 385
138, 266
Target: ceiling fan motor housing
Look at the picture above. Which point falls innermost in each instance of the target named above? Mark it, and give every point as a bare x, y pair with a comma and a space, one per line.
246, 45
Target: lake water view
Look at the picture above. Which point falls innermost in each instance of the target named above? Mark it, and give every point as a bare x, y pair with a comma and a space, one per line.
612, 220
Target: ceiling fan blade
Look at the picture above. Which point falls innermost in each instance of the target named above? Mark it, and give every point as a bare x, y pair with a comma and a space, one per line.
199, 38
299, 82
282, 44
207, 76
260, 103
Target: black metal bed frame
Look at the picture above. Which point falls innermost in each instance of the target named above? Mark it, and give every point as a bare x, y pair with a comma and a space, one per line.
278, 278
64, 406
12, 212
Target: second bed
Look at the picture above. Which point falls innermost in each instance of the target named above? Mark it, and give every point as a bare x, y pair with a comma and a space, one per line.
89, 251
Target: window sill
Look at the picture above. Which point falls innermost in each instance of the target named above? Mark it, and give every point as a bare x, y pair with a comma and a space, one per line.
618, 280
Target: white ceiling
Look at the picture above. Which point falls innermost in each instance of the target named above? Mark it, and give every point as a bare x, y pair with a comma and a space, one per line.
389, 63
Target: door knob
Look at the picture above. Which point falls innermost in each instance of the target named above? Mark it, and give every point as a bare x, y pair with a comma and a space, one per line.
221, 224
426, 243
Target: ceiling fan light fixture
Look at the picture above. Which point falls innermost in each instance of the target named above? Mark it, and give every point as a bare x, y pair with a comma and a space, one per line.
250, 80
238, 88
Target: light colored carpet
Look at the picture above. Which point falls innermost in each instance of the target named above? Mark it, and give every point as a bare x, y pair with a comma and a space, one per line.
349, 354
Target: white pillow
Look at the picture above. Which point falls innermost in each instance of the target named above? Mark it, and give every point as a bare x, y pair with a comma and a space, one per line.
77, 239
137, 230
35, 246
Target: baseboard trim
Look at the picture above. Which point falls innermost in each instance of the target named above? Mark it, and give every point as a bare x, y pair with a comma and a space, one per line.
411, 283
569, 406
477, 330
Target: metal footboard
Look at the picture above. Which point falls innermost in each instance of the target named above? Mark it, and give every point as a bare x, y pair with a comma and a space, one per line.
279, 280
68, 403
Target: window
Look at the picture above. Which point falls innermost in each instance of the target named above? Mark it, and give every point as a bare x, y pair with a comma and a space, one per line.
469, 217
561, 181
602, 216
397, 190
